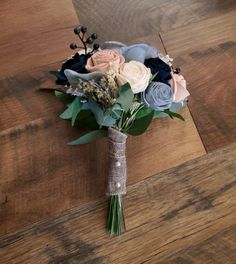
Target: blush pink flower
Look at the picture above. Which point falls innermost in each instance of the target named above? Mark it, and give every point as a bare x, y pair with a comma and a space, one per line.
178, 84
105, 61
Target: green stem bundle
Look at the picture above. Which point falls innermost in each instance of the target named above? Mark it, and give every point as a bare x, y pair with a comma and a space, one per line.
115, 219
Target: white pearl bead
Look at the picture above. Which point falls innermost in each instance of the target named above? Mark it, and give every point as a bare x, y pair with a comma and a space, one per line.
118, 185
118, 164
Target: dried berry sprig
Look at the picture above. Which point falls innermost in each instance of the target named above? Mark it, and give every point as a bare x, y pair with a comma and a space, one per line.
80, 31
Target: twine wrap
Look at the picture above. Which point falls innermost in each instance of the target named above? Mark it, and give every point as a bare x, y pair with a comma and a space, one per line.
117, 162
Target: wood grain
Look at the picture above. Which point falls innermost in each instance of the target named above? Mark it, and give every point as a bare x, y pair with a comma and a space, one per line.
219, 248
208, 64
41, 175
34, 33
126, 21
182, 215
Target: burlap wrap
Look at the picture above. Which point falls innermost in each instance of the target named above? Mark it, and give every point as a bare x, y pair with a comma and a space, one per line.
117, 162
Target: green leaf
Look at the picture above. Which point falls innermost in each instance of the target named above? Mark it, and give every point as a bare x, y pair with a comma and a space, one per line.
173, 114
108, 121
76, 109
86, 119
112, 114
143, 112
103, 118
153, 77
54, 73
67, 98
174, 108
116, 111
72, 110
125, 97
158, 114
140, 125
93, 135
67, 114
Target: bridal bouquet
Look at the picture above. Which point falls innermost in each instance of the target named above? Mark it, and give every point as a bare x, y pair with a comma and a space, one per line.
115, 91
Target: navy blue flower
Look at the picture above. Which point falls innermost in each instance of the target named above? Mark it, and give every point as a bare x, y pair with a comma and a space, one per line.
158, 96
162, 69
76, 63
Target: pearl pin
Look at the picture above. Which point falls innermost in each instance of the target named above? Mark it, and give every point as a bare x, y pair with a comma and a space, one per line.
118, 164
118, 185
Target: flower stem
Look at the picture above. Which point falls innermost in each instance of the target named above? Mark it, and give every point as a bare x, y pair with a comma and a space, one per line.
115, 219
84, 44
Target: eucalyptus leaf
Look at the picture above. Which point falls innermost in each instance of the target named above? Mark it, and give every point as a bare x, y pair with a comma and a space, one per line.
54, 73
103, 117
116, 111
67, 98
108, 121
95, 109
72, 76
72, 110
86, 120
140, 125
93, 135
76, 109
67, 114
125, 97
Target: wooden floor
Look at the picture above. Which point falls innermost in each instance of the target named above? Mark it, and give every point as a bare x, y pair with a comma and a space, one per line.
184, 215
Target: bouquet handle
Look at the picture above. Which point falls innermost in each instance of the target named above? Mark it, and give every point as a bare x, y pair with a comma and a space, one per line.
116, 181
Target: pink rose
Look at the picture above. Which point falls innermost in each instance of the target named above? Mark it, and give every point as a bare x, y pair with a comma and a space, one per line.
104, 61
178, 84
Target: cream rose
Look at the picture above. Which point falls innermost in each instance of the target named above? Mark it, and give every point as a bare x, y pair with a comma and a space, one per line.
136, 74
105, 60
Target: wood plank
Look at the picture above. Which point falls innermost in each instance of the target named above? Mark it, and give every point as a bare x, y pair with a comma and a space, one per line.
219, 248
171, 213
34, 33
208, 63
136, 19
41, 175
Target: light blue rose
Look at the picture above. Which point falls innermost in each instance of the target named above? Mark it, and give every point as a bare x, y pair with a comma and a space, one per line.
112, 45
158, 96
138, 52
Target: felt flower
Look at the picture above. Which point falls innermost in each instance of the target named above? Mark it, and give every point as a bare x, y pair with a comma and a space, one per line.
161, 68
136, 74
158, 96
104, 61
138, 52
76, 63
178, 84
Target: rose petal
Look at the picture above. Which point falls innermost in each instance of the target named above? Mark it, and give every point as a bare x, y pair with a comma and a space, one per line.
136, 74
178, 84
105, 60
